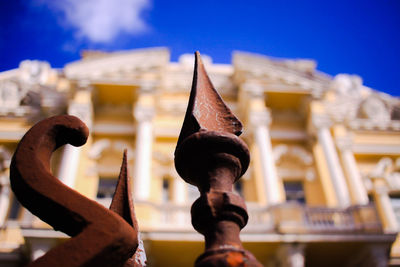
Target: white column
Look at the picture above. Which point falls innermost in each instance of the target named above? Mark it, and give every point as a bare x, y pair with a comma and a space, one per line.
70, 158
40, 247
179, 198
4, 198
385, 208
332, 159
356, 185
144, 141
179, 191
289, 255
69, 165
5, 159
260, 123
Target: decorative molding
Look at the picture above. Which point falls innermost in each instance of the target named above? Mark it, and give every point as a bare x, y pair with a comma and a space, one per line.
348, 91
114, 128
253, 89
389, 171
169, 107
288, 134
102, 145
118, 64
34, 72
321, 121
374, 109
373, 149
295, 151
300, 73
30, 94
344, 143
259, 118
360, 107
366, 124
348, 85
304, 170
144, 113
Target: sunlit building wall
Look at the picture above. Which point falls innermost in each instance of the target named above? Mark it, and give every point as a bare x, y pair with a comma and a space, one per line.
323, 187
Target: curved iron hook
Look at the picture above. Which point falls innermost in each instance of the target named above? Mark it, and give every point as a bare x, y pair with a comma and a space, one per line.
100, 237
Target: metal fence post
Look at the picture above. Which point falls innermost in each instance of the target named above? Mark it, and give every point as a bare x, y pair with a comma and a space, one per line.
210, 155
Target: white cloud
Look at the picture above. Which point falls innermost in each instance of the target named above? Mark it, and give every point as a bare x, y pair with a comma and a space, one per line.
101, 21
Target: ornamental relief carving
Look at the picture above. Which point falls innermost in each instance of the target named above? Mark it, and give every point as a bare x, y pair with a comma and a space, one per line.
360, 106
374, 109
294, 162
386, 169
32, 92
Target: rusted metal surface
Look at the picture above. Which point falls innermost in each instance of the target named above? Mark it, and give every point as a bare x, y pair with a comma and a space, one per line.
122, 204
210, 155
100, 237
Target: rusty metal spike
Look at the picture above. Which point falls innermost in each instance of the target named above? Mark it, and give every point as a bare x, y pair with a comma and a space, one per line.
211, 156
206, 109
122, 204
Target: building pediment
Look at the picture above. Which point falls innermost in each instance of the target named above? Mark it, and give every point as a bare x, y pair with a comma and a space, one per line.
118, 66
297, 75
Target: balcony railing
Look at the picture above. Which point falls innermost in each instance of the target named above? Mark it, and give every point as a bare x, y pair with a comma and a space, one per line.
290, 217
297, 218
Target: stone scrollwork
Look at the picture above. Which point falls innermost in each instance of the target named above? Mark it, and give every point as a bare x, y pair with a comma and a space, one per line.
387, 169
10, 95
374, 108
349, 91
360, 106
34, 71
347, 85
29, 93
283, 154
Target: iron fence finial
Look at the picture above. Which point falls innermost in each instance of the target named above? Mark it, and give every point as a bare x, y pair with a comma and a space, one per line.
210, 155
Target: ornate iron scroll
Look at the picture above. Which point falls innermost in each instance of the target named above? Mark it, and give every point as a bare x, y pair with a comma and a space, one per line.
210, 155
100, 237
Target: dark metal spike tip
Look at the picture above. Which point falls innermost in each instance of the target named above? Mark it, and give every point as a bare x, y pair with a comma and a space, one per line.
206, 109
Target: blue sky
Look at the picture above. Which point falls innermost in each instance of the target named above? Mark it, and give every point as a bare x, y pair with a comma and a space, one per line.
344, 36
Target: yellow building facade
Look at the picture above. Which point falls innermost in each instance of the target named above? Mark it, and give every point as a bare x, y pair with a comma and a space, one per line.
322, 189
